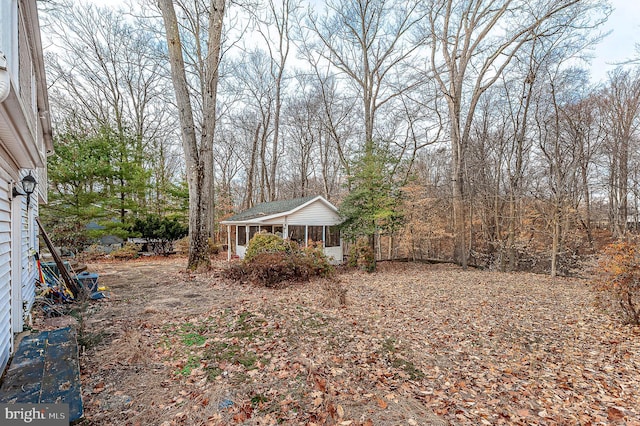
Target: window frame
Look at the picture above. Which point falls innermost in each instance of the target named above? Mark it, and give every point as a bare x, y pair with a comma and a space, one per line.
241, 233
332, 236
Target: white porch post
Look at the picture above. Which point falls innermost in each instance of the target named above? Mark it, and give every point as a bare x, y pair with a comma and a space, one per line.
228, 243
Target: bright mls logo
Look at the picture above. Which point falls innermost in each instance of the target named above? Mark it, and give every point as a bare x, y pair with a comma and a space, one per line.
34, 414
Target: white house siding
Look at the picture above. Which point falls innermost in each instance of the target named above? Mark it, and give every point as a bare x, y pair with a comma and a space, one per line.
25, 140
6, 335
27, 246
316, 213
334, 254
29, 269
278, 221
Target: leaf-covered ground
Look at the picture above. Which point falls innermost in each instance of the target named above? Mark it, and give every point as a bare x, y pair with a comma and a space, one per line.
414, 345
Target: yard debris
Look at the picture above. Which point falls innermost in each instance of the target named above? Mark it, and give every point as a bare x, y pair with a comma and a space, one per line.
416, 344
52, 292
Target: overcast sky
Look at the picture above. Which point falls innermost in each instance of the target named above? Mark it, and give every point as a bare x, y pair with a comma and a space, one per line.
619, 45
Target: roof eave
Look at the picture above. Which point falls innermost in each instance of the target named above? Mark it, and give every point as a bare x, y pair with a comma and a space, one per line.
261, 219
254, 220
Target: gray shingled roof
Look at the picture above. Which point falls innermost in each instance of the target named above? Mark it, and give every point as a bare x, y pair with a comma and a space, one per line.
267, 209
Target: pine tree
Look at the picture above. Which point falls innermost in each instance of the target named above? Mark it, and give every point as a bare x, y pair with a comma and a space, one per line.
373, 203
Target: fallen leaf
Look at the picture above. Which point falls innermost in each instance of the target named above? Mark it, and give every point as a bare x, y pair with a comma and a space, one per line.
614, 414
321, 383
382, 403
98, 388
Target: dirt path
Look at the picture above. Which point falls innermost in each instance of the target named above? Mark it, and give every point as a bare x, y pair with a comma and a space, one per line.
414, 345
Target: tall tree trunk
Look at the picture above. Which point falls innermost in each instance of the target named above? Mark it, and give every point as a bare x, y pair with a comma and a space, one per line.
212, 76
623, 184
555, 245
517, 174
198, 157
457, 182
248, 202
274, 147
264, 176
587, 202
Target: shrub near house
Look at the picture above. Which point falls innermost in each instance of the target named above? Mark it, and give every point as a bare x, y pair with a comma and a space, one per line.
270, 260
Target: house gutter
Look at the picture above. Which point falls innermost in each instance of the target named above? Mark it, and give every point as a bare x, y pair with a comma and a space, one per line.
41, 77
5, 78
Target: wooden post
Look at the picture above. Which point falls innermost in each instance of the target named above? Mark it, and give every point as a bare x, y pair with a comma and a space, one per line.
70, 283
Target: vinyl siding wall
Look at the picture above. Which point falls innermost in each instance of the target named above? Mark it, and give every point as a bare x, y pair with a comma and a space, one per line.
5, 274
23, 149
316, 213
29, 245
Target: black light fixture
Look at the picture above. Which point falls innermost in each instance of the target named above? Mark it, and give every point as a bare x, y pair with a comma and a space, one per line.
28, 186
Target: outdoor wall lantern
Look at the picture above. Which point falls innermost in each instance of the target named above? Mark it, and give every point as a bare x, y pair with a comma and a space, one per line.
28, 186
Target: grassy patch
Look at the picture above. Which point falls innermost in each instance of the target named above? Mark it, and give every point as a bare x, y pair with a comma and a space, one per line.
188, 333
248, 327
187, 368
408, 367
89, 340
193, 339
392, 352
259, 399
221, 351
248, 360
389, 345
233, 354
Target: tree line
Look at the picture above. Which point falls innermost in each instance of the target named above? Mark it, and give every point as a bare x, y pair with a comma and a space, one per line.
456, 130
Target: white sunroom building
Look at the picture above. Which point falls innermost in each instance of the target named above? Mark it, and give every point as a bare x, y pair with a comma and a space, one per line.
301, 220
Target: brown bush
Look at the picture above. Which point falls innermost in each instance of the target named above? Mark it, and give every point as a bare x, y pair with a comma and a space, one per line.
280, 262
617, 281
127, 251
93, 252
270, 269
182, 246
236, 271
361, 256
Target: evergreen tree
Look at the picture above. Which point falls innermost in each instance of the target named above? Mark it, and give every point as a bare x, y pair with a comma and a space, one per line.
373, 204
79, 175
128, 181
160, 231
93, 178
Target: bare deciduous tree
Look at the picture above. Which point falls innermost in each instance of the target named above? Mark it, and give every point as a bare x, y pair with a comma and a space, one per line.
108, 72
198, 148
368, 41
621, 113
471, 44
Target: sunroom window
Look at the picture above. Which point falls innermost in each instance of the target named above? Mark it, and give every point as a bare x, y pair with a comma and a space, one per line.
332, 236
